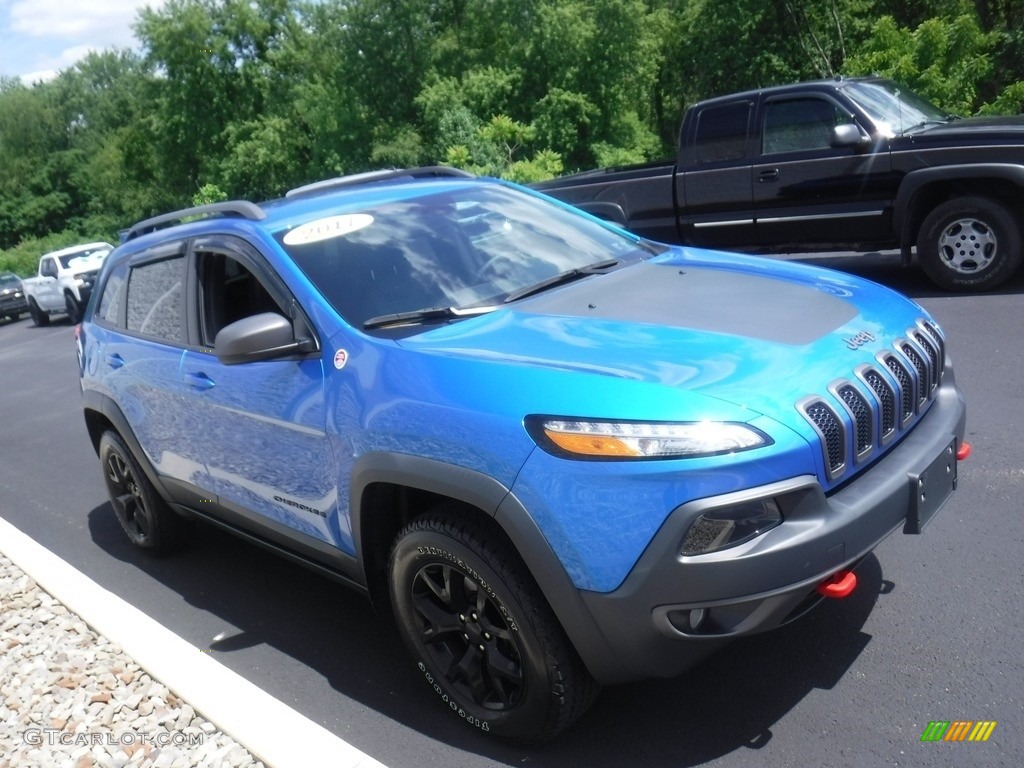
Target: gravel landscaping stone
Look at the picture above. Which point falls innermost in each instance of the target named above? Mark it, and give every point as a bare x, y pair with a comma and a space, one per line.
70, 698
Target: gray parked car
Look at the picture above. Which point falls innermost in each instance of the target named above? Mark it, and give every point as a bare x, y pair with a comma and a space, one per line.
12, 296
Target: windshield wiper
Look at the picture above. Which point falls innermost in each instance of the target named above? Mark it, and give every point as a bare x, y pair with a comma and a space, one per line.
416, 316
560, 279
925, 123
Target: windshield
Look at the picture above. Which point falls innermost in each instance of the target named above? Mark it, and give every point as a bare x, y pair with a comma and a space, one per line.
83, 257
895, 109
469, 247
9, 279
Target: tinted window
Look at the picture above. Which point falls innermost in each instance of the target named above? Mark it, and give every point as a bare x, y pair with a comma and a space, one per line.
722, 133
154, 299
796, 125
108, 309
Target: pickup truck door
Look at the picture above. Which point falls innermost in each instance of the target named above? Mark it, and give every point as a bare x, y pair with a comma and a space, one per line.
713, 185
810, 193
47, 293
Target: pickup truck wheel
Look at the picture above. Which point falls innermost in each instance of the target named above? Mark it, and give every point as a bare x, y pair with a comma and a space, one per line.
149, 522
481, 633
969, 244
73, 309
39, 318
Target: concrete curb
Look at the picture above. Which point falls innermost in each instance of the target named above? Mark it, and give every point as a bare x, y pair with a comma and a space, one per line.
271, 730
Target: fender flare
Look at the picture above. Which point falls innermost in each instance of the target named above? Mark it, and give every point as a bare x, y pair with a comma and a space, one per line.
914, 181
497, 501
111, 411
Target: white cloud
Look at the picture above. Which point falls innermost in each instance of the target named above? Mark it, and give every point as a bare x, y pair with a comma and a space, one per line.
109, 19
42, 37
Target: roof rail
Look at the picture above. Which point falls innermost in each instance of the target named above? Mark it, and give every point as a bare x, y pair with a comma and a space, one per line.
368, 177
232, 208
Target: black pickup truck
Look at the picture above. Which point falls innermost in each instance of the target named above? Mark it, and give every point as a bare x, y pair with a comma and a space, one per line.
846, 164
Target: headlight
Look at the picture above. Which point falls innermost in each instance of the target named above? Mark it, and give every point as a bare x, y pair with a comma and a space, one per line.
587, 439
728, 526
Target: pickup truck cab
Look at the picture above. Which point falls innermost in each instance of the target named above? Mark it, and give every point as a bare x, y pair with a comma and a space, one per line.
64, 281
845, 164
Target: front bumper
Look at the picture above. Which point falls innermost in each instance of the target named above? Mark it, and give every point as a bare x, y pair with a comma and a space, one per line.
673, 610
13, 304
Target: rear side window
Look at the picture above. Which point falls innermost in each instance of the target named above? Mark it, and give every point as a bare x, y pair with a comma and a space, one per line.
154, 299
722, 133
111, 300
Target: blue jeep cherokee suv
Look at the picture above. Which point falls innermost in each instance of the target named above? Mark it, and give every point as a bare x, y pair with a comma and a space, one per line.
566, 456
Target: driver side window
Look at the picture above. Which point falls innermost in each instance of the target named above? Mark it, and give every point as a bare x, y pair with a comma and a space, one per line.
794, 125
229, 291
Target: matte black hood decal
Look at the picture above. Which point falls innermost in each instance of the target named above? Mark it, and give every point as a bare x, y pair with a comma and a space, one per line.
704, 299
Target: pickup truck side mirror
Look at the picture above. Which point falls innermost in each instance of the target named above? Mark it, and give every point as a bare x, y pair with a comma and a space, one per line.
259, 337
848, 135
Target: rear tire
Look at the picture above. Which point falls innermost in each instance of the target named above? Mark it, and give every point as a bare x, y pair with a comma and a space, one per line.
150, 524
39, 318
73, 308
970, 244
481, 632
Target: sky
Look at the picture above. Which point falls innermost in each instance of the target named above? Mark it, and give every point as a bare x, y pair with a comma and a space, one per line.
38, 38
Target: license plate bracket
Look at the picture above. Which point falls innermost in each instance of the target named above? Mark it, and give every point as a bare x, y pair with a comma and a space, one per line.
930, 489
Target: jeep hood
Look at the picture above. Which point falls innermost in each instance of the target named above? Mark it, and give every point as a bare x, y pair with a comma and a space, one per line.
756, 333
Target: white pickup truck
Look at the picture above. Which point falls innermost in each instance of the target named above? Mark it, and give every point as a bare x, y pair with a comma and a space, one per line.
64, 282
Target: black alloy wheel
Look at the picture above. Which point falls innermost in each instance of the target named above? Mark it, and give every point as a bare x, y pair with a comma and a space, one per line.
481, 633
145, 517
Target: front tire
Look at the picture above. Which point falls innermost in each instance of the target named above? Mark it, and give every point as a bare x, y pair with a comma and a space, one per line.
970, 244
39, 318
150, 524
482, 635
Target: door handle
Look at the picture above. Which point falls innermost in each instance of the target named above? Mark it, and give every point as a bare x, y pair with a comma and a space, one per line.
115, 361
199, 381
772, 174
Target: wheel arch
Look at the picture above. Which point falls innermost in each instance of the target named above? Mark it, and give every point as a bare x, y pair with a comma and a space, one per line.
102, 413
389, 490
921, 191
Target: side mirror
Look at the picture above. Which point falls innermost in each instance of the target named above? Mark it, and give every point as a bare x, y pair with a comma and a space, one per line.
259, 337
848, 135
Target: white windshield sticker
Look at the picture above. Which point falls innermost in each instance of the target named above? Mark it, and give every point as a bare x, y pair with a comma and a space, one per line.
325, 229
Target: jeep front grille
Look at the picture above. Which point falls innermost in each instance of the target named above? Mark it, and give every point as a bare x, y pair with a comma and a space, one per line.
862, 414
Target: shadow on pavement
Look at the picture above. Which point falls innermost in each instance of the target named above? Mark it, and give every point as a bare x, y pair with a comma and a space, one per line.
728, 703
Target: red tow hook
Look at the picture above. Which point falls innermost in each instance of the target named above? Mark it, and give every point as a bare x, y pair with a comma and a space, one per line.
839, 584
963, 451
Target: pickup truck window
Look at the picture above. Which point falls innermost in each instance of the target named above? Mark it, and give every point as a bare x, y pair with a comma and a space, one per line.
722, 133
154, 299
793, 125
